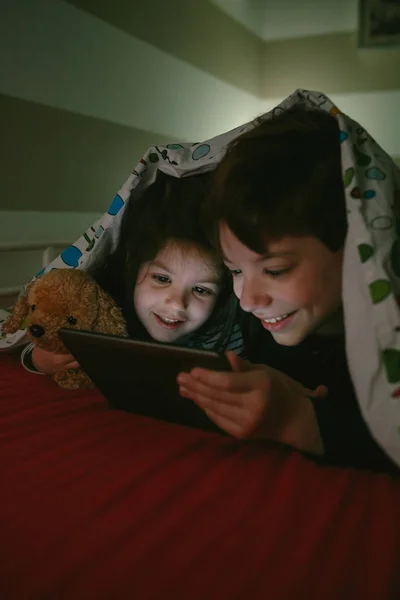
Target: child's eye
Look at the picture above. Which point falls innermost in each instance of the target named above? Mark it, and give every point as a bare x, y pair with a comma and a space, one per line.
161, 278
275, 273
235, 272
201, 291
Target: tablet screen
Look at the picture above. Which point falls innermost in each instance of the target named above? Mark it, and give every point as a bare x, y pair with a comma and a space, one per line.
140, 377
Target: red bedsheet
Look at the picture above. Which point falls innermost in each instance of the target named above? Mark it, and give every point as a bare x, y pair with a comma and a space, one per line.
96, 504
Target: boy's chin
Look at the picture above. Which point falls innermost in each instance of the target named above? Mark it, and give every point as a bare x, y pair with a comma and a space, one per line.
293, 335
290, 339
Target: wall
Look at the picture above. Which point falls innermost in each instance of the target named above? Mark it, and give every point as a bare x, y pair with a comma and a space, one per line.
87, 86
365, 83
90, 85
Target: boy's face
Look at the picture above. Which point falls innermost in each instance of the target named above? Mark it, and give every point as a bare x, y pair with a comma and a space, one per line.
176, 292
294, 290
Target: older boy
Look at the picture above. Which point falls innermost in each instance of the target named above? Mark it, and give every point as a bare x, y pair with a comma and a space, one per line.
277, 213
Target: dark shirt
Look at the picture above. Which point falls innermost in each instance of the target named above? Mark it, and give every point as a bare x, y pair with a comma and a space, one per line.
320, 360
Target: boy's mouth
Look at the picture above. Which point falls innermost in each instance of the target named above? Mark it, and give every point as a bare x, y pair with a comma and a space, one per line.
273, 320
277, 323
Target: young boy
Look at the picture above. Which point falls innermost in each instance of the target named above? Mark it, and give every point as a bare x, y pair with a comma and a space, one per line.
277, 213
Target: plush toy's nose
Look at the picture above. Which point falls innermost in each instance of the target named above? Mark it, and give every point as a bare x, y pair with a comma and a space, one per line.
36, 330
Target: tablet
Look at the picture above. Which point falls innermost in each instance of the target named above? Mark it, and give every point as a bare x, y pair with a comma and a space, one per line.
140, 377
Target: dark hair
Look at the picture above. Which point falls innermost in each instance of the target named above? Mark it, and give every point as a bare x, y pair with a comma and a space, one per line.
168, 210
283, 177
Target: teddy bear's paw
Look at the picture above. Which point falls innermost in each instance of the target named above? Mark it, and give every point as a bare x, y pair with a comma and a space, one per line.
73, 379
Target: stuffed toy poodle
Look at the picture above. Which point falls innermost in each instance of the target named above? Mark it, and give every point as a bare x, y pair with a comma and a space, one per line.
64, 298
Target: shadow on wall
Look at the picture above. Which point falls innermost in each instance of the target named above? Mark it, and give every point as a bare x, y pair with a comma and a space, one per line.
96, 155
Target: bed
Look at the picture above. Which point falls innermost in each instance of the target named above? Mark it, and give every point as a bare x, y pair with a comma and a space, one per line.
98, 504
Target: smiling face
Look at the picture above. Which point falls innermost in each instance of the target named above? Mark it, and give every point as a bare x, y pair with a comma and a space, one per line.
294, 289
175, 293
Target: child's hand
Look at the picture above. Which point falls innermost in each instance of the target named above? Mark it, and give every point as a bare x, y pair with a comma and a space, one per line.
49, 362
256, 401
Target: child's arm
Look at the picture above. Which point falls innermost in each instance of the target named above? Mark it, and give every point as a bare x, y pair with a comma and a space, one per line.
260, 402
39, 361
256, 401
26, 359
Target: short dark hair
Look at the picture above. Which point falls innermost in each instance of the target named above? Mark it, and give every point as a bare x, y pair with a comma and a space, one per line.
283, 177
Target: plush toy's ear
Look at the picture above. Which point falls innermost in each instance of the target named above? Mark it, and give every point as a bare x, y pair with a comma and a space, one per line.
18, 315
109, 317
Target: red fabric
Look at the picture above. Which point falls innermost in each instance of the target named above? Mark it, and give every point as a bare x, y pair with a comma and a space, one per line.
96, 504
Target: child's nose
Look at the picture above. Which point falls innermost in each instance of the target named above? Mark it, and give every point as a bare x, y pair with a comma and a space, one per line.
177, 300
254, 296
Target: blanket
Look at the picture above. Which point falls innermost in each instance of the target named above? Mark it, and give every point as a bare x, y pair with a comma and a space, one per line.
371, 271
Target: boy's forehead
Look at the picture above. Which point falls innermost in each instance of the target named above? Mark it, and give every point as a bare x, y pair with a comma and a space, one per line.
290, 246
277, 250
287, 246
